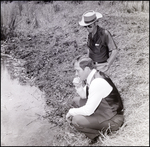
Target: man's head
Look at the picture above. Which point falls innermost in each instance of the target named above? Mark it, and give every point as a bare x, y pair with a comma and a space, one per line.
89, 18
83, 66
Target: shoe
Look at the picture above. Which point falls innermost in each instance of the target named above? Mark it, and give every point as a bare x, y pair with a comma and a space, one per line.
94, 140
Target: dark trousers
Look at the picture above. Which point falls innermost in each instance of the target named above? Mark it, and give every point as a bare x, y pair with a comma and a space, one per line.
90, 126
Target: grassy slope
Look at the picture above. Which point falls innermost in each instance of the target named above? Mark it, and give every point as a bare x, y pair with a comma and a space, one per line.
53, 38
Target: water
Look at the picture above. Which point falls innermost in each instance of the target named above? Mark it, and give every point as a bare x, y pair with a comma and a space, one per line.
22, 108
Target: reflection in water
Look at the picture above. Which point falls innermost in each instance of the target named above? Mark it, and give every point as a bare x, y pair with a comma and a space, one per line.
21, 107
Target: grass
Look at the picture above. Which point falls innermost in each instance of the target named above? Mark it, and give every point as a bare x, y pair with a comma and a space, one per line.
48, 40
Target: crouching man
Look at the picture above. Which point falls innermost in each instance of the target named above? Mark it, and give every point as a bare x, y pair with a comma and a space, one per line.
100, 107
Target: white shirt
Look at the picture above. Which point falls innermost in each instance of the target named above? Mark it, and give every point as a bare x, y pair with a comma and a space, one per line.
99, 88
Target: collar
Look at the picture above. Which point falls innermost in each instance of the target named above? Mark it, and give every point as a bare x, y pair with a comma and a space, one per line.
90, 76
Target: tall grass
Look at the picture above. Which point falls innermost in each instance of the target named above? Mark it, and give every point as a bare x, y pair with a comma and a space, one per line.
9, 18
23, 16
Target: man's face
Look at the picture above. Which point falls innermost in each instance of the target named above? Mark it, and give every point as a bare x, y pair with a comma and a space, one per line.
90, 28
79, 72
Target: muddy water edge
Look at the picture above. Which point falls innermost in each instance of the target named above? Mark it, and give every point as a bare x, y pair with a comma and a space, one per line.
22, 109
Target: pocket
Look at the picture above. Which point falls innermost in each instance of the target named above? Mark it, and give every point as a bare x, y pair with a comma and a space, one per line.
98, 44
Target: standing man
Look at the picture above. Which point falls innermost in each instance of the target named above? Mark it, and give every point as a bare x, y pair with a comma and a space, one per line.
102, 48
100, 107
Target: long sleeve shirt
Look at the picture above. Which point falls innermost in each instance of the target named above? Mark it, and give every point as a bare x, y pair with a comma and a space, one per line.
99, 88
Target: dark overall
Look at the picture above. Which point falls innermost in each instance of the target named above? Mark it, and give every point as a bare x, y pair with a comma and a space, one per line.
107, 117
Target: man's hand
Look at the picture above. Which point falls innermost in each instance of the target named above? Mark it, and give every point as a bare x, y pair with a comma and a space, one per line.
69, 117
77, 82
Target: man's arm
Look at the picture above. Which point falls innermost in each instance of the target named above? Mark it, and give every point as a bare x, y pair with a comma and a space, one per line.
112, 57
112, 48
98, 89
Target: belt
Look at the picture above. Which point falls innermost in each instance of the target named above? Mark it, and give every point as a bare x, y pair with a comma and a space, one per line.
98, 62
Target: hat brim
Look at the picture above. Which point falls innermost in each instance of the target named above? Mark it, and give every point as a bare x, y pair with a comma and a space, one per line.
82, 23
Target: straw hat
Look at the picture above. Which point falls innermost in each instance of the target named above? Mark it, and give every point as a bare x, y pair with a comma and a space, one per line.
89, 17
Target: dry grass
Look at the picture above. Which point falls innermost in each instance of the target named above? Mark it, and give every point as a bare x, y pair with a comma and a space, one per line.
50, 32
26, 17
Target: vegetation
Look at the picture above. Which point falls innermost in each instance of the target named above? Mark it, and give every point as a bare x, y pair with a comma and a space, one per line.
45, 37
